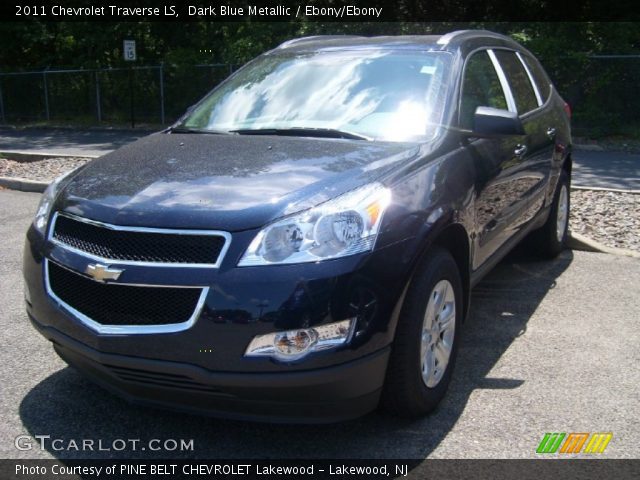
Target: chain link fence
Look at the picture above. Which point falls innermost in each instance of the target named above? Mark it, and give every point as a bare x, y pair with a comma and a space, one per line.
142, 94
601, 89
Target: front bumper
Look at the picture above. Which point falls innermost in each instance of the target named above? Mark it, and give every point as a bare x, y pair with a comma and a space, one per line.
203, 368
317, 396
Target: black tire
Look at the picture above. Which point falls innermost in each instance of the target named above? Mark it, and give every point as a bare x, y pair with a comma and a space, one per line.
545, 240
405, 393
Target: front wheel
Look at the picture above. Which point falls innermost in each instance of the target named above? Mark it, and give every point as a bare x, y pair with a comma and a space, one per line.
426, 342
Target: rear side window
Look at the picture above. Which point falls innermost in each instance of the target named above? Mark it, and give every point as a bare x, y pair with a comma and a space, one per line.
539, 76
480, 88
518, 80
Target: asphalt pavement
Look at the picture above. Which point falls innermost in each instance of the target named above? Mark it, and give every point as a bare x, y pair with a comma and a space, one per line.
605, 169
550, 346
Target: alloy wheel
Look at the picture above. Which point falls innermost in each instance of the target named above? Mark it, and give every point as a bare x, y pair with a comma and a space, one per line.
563, 213
438, 331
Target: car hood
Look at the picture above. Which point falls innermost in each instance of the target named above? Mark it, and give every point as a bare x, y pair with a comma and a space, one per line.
226, 182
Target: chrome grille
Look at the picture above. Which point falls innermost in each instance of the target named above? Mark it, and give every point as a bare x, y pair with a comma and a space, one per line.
139, 245
123, 308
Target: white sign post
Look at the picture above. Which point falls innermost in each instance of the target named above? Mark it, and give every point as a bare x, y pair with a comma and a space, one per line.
129, 50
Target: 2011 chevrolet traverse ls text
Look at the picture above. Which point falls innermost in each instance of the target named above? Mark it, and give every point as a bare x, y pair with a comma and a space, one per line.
300, 246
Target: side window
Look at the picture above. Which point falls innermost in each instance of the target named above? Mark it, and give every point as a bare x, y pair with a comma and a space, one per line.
539, 76
480, 88
518, 80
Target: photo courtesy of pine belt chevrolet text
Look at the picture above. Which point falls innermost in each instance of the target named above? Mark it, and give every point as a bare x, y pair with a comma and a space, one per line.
300, 246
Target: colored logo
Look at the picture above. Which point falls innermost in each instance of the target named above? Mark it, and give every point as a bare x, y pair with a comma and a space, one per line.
573, 442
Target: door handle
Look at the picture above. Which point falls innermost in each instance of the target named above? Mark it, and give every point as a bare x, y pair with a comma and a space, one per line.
551, 133
520, 150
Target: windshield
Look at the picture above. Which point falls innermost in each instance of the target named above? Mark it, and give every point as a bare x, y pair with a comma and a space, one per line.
373, 94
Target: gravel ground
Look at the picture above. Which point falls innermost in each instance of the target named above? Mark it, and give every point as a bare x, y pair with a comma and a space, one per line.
610, 218
43, 170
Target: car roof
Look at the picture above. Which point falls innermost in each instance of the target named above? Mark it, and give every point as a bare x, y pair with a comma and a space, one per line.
453, 41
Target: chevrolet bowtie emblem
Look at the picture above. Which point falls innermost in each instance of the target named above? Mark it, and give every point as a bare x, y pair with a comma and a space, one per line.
102, 273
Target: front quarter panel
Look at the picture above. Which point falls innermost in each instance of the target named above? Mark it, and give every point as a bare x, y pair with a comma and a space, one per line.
428, 197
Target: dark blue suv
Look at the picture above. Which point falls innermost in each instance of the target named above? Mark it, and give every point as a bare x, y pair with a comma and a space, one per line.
300, 246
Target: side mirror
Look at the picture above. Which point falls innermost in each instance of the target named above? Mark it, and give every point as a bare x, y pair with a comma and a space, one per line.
494, 122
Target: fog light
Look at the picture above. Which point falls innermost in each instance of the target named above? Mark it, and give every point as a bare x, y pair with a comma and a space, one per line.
296, 344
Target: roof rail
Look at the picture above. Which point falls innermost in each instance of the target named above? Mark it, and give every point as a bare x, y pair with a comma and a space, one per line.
446, 39
295, 41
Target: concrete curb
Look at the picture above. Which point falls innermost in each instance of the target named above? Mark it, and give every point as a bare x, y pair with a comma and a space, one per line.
23, 184
30, 156
586, 244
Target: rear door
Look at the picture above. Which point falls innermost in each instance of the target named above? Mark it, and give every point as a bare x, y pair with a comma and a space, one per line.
555, 127
538, 121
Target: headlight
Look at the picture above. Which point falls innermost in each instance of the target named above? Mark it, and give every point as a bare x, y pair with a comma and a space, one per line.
295, 344
343, 226
46, 202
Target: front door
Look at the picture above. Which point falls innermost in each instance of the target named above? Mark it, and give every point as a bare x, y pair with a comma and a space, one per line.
500, 203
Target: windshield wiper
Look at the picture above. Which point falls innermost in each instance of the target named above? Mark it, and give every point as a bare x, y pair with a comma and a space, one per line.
302, 132
196, 130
